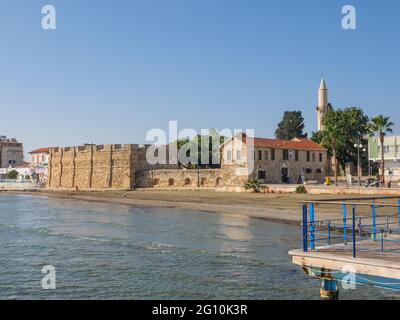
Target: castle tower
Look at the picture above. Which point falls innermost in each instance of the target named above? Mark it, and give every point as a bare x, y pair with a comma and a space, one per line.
322, 107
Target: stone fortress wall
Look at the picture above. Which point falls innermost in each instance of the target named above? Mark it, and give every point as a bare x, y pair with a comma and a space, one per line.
122, 167
98, 166
91, 167
188, 178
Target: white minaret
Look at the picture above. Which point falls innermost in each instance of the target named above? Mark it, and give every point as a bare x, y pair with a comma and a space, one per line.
322, 107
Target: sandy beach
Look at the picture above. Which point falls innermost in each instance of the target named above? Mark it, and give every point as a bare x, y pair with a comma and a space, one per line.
284, 208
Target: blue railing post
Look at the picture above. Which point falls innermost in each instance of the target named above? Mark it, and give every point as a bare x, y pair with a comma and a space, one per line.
305, 229
354, 232
344, 223
329, 232
312, 227
374, 222
398, 213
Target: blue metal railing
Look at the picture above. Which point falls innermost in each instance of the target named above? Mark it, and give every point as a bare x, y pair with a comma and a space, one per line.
381, 226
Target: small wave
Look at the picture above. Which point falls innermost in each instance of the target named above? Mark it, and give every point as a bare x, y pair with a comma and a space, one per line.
157, 245
95, 239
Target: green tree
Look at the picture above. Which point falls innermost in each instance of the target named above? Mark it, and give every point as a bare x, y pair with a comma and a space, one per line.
179, 144
291, 126
13, 174
204, 142
353, 123
210, 143
333, 136
381, 125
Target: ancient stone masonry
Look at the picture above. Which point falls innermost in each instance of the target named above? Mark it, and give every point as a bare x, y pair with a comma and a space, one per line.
99, 166
92, 167
122, 167
181, 178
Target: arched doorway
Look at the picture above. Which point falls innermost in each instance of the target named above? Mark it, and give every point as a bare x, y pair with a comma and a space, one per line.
285, 178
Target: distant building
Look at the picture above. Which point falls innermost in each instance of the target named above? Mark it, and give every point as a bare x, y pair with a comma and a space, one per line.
391, 149
23, 170
11, 152
39, 157
275, 161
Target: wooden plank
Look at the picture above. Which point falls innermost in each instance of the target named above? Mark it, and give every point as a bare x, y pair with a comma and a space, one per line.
372, 262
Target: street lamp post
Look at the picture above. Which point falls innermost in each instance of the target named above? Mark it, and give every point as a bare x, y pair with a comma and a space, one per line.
359, 146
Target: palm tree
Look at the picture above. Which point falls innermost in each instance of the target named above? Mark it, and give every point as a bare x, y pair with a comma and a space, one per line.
381, 125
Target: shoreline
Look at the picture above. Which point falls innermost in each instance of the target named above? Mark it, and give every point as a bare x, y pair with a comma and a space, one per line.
280, 208
278, 215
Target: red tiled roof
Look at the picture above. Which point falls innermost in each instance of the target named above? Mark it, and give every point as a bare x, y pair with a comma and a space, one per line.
41, 150
296, 143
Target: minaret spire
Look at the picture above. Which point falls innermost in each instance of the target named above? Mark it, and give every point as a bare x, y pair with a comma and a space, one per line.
322, 107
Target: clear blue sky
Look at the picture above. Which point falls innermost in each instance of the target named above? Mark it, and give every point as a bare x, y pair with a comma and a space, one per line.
115, 69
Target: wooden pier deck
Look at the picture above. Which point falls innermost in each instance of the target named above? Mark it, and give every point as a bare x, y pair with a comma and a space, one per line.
371, 261
359, 248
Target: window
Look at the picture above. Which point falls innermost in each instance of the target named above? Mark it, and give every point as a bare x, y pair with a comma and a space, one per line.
266, 155
261, 175
318, 171
259, 155
238, 155
308, 170
171, 182
313, 157
320, 157
285, 154
296, 155
308, 156
386, 149
229, 155
272, 154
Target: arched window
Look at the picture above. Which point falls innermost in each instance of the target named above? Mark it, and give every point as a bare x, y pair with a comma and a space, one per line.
156, 181
219, 181
187, 181
171, 182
